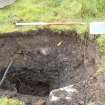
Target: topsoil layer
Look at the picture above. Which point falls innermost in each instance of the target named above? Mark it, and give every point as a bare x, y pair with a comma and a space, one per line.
44, 60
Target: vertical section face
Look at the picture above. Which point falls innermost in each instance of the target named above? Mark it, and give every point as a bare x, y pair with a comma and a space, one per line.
46, 60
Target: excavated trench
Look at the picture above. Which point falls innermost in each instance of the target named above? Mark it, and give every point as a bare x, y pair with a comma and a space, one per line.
44, 60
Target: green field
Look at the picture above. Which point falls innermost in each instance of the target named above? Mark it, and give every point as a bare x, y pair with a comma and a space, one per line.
49, 11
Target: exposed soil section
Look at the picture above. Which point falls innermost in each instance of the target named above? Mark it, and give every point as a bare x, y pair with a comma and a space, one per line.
45, 60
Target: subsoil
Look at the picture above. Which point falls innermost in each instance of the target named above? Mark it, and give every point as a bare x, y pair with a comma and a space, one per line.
44, 60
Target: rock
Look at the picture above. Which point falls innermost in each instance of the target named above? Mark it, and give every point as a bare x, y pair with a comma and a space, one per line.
45, 51
62, 96
4, 3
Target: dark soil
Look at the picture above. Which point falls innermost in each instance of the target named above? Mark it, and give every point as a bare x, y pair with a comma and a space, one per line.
45, 60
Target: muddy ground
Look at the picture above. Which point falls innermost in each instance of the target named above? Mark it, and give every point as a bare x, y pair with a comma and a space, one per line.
44, 60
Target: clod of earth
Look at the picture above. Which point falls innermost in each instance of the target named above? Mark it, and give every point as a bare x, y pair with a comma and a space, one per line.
56, 67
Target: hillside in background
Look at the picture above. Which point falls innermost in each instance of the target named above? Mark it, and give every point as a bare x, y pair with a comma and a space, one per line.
49, 11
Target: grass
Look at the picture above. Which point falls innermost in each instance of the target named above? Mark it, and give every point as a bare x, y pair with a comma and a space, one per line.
49, 11
8, 101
